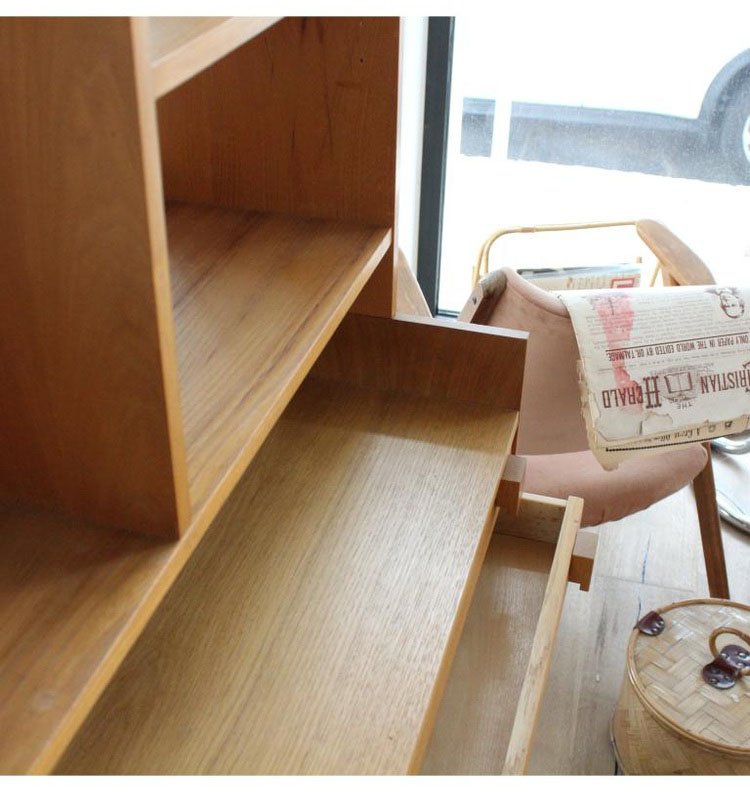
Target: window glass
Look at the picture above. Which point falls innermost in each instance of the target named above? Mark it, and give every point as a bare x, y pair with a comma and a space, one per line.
569, 112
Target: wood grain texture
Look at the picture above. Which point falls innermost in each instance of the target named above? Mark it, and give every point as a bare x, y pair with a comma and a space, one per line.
683, 266
709, 521
90, 417
301, 120
181, 47
319, 140
511, 486
409, 298
573, 733
479, 705
488, 714
483, 298
256, 299
542, 648
429, 357
539, 517
72, 600
582, 561
316, 643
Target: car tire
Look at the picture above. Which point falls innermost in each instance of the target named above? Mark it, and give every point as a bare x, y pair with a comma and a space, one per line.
734, 133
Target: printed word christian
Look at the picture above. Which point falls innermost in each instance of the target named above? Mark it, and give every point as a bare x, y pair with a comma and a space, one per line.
731, 380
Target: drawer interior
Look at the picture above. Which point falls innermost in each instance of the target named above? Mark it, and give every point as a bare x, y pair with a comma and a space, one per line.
487, 716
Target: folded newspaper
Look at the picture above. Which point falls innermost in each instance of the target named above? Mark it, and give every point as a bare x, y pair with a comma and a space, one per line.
613, 276
661, 367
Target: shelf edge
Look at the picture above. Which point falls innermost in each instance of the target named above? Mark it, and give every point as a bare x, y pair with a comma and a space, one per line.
192, 57
532, 692
181, 551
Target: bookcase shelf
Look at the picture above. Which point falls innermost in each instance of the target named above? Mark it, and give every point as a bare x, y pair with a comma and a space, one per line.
349, 471
256, 297
197, 328
180, 47
318, 644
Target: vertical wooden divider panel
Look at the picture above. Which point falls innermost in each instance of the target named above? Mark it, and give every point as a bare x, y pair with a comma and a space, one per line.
89, 416
301, 120
434, 358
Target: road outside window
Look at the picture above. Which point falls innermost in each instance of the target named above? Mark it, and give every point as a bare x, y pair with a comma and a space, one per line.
564, 113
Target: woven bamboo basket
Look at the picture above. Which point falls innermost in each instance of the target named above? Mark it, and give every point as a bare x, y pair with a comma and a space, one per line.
669, 719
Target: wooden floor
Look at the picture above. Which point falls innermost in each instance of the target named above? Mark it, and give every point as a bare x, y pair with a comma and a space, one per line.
649, 559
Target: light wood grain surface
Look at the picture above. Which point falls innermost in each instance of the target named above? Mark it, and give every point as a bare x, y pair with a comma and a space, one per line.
89, 415
428, 357
511, 486
479, 706
301, 120
181, 47
487, 719
538, 518
410, 300
256, 299
542, 648
309, 630
584, 555
74, 599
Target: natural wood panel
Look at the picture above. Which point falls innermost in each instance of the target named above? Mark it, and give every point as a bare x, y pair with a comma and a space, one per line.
489, 712
704, 487
90, 416
511, 486
542, 648
539, 517
256, 299
582, 561
72, 600
181, 47
681, 264
316, 643
411, 355
409, 298
319, 141
378, 297
479, 706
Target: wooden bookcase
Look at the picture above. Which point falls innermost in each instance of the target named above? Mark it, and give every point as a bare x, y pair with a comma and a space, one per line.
197, 329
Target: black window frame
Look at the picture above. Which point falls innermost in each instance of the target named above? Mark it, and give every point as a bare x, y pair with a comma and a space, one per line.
434, 154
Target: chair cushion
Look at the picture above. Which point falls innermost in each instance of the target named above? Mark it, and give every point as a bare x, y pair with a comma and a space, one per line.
614, 494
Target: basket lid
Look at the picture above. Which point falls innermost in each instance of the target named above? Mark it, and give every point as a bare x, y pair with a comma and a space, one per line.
666, 670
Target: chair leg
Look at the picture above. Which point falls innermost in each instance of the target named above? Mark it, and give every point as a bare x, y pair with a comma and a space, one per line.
710, 525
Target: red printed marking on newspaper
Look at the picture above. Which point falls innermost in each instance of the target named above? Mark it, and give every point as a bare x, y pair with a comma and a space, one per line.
661, 367
616, 315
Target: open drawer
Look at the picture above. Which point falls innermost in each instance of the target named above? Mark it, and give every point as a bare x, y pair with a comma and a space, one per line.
486, 720
312, 629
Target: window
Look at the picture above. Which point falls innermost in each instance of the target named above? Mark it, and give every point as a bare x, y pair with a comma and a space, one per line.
566, 113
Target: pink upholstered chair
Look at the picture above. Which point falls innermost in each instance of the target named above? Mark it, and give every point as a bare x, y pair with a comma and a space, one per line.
552, 434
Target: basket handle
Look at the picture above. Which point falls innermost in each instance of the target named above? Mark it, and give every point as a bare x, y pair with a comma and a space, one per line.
733, 631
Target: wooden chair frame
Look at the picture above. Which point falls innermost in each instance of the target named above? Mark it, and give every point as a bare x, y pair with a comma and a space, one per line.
679, 266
